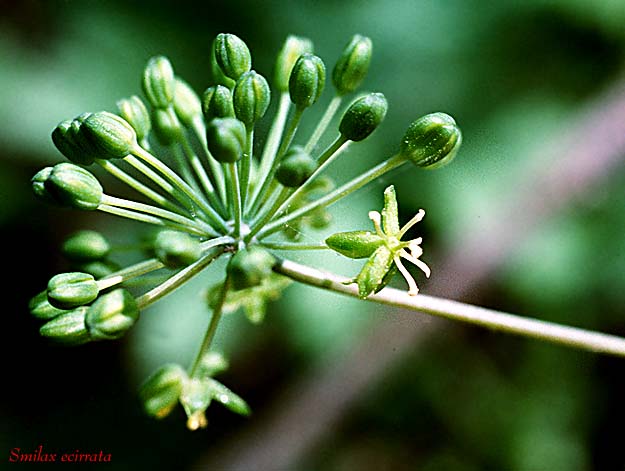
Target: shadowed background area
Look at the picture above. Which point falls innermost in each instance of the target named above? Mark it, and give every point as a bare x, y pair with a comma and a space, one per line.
528, 219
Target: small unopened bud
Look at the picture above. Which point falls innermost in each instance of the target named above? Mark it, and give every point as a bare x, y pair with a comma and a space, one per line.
217, 103
186, 102
295, 167
70, 290
111, 315
68, 185
249, 267
226, 139
65, 138
134, 111
431, 141
40, 307
353, 65
161, 391
158, 82
85, 246
354, 244
363, 117
293, 47
307, 80
110, 135
67, 328
167, 127
251, 97
176, 249
211, 364
98, 268
232, 55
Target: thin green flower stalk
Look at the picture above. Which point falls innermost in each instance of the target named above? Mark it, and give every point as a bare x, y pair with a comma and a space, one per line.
211, 197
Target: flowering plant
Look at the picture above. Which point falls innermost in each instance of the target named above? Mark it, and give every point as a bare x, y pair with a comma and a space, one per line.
214, 197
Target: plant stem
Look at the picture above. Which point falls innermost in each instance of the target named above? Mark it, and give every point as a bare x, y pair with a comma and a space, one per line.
177, 280
212, 215
158, 212
121, 175
333, 106
212, 327
263, 219
271, 144
328, 156
280, 246
216, 174
284, 145
126, 213
334, 196
207, 186
236, 197
496, 320
246, 164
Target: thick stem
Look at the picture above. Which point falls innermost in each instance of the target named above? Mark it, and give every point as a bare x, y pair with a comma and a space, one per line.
496, 320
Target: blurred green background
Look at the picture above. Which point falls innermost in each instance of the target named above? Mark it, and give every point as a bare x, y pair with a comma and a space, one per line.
514, 74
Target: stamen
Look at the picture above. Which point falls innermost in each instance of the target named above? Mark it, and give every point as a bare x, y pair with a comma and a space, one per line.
419, 263
417, 218
412, 284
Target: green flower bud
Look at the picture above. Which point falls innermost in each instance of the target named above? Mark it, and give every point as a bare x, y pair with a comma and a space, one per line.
98, 268
355, 244
40, 307
251, 97
38, 184
226, 138
293, 47
161, 391
85, 246
110, 135
307, 80
65, 139
376, 273
249, 267
176, 249
351, 68
229, 399
73, 289
431, 141
158, 82
363, 116
134, 111
232, 55
68, 185
111, 315
217, 103
186, 102
296, 167
167, 127
67, 328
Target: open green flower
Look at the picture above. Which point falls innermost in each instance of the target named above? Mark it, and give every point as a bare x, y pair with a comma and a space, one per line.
384, 248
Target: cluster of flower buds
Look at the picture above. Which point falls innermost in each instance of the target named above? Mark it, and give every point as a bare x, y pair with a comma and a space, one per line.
214, 192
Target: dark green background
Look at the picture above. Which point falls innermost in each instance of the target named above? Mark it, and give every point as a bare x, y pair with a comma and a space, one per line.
514, 74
